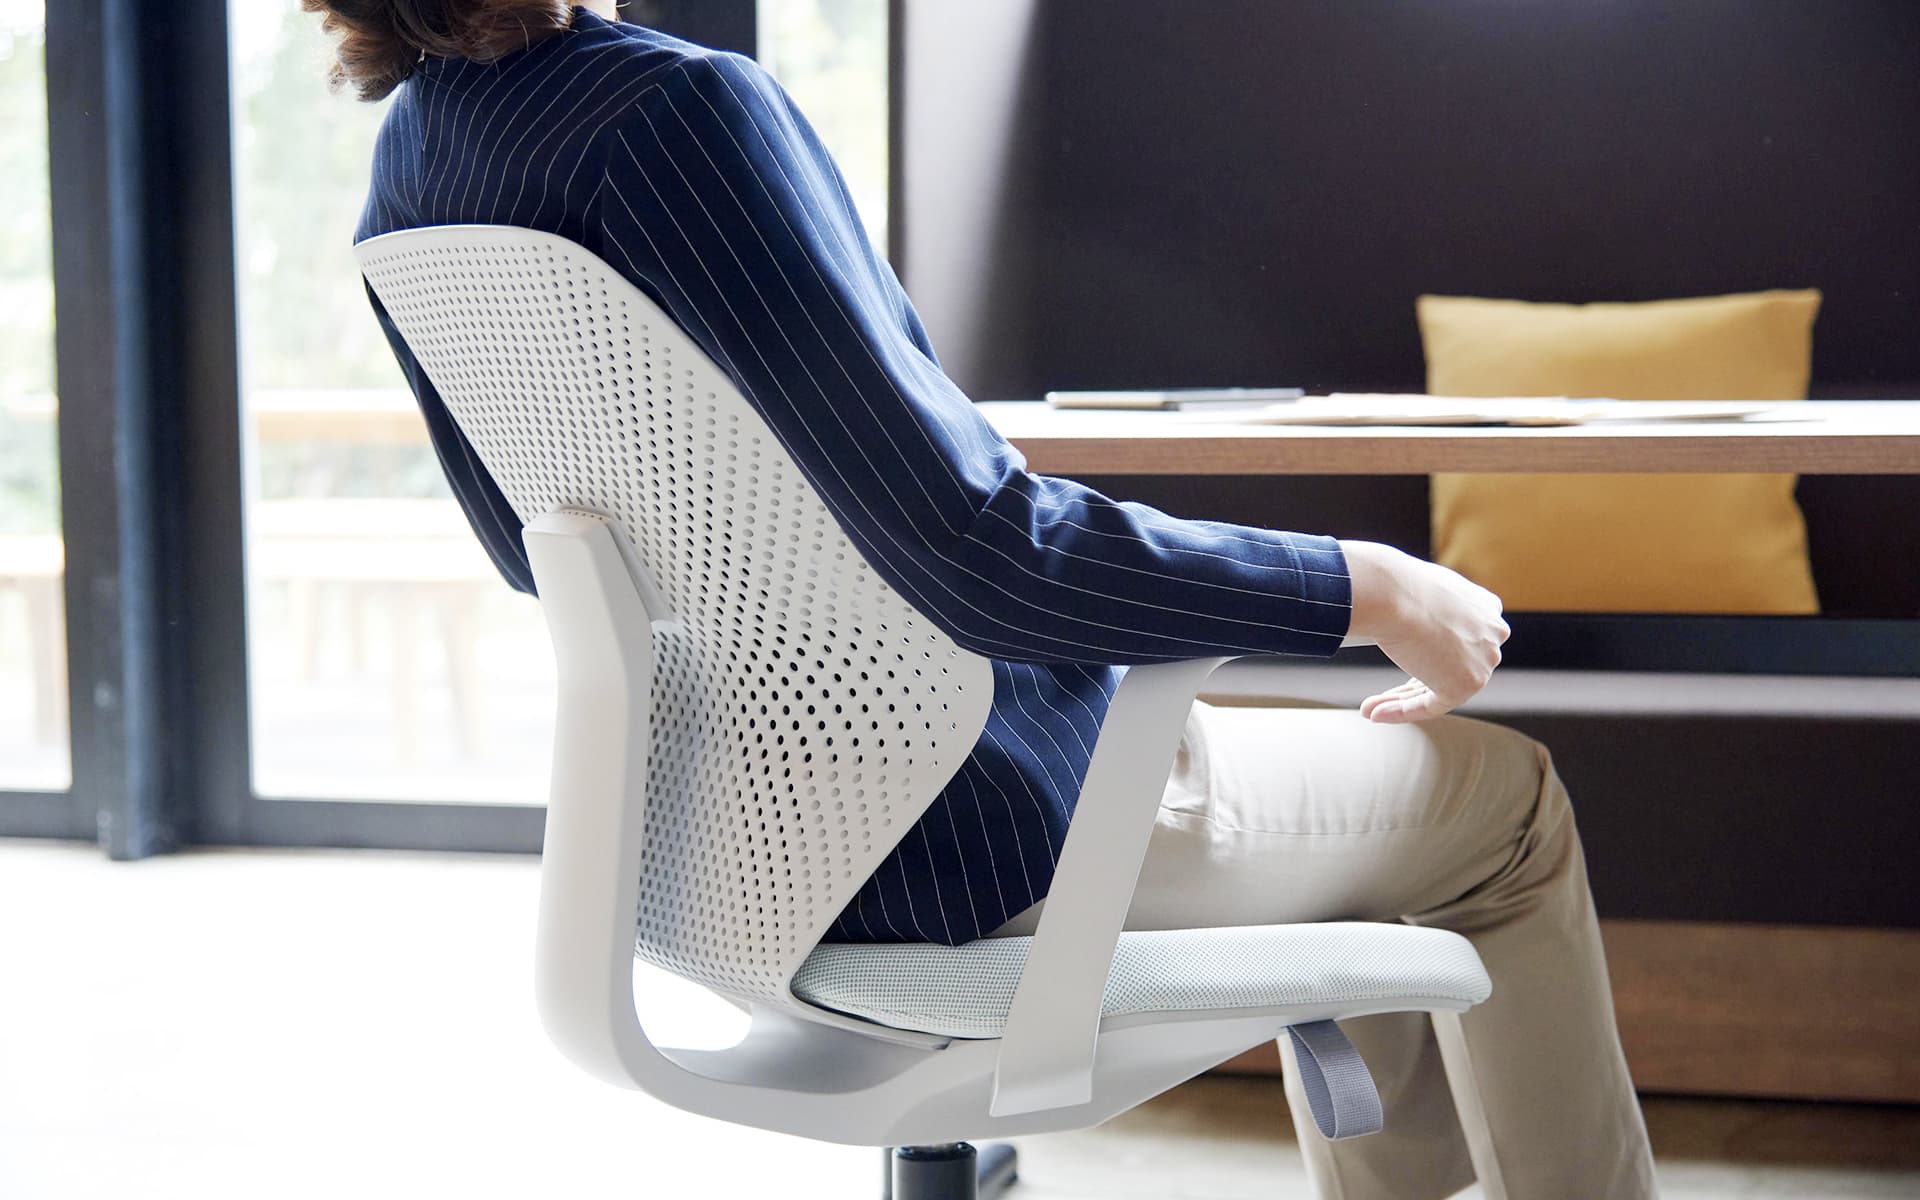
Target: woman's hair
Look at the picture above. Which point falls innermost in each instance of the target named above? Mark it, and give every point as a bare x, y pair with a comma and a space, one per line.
382, 40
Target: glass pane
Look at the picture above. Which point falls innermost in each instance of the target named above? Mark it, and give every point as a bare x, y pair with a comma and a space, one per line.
390, 662
33, 643
831, 55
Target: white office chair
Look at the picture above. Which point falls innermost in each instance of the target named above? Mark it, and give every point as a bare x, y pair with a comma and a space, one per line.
750, 718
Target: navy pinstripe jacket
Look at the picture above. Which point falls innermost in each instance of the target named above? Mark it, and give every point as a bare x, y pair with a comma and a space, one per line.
692, 173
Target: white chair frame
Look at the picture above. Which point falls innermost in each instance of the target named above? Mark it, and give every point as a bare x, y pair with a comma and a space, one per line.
1060, 1062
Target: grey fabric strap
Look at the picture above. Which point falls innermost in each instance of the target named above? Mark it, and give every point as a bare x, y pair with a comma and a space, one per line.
1339, 1088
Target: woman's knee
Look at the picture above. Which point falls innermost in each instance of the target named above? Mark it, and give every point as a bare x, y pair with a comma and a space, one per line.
1523, 755
1534, 820
1513, 770
1543, 813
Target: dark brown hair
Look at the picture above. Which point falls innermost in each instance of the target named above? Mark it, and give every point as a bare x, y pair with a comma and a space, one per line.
382, 40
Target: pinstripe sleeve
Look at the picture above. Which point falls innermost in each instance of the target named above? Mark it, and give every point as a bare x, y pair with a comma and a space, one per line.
720, 201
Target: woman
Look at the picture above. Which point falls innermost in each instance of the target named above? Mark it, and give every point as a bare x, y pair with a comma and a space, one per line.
692, 173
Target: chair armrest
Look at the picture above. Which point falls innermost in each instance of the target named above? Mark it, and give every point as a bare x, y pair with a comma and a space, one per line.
1053, 1027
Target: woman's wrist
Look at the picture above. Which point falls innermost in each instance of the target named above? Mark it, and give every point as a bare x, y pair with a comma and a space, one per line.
1377, 575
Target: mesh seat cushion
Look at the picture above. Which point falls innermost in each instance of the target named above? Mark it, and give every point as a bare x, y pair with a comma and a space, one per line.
965, 991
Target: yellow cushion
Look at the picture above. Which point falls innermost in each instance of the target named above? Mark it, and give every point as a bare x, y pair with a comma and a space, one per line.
1625, 543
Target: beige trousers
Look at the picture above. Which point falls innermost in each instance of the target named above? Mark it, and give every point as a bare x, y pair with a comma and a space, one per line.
1282, 815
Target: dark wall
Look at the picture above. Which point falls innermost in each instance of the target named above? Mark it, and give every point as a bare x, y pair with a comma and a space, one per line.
970, 173
1256, 190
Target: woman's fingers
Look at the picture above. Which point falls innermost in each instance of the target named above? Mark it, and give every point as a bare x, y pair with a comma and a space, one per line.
1393, 693
1411, 701
1411, 687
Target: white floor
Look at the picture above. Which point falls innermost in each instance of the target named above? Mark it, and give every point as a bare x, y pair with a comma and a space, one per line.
294, 1024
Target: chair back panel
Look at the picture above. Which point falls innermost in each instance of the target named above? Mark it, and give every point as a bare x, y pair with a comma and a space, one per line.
803, 714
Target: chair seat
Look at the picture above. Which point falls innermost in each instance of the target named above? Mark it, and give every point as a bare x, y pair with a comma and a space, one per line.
965, 991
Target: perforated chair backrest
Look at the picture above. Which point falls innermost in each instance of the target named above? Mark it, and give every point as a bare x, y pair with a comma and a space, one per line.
803, 713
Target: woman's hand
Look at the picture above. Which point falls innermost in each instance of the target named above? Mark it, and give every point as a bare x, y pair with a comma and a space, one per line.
1442, 629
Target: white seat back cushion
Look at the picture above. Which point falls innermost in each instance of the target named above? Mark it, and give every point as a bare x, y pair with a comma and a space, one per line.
804, 714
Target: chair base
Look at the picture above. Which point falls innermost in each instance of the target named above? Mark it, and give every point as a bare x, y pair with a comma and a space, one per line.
950, 1171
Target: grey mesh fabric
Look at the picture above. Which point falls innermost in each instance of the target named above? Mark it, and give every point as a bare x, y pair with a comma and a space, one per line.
965, 991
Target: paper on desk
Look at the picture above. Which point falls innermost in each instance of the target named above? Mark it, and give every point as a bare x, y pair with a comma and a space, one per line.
1355, 408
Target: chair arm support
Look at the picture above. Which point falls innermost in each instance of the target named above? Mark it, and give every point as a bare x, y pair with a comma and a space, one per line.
1047, 1047
590, 865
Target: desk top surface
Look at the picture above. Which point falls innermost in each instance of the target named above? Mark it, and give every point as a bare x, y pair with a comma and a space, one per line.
1827, 437
1824, 437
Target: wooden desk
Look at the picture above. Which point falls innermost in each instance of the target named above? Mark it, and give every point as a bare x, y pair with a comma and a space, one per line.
1825, 437
1822, 437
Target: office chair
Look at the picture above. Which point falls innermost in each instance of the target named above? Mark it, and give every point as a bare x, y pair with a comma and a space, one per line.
750, 718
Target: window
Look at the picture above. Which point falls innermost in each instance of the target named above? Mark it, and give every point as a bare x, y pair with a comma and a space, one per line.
831, 55
389, 661
33, 662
